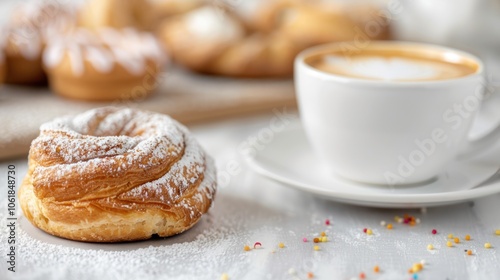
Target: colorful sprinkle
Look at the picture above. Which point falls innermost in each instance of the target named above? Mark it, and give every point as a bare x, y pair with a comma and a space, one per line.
316, 240
430, 247
449, 244
362, 275
417, 220
467, 237
382, 223
257, 244
316, 248
417, 267
469, 252
224, 276
323, 233
497, 232
376, 269
304, 239
450, 236
369, 232
456, 240
327, 222
281, 245
324, 239
246, 248
310, 275
487, 245
389, 226
434, 231
364, 230
415, 276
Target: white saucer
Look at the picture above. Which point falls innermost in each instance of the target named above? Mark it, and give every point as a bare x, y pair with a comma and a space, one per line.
290, 160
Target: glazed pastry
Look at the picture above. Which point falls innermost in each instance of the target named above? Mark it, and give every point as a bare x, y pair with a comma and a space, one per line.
139, 14
107, 64
112, 175
258, 38
30, 26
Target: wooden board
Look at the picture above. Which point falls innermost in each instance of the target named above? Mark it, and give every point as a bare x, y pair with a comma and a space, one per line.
185, 96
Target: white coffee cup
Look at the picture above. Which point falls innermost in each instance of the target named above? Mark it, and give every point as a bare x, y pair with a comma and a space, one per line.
389, 132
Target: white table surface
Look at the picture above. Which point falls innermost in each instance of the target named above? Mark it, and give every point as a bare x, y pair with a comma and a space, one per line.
249, 209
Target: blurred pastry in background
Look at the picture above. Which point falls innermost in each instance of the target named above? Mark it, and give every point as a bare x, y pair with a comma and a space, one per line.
167, 8
30, 26
209, 41
106, 64
257, 38
319, 22
140, 14
3, 69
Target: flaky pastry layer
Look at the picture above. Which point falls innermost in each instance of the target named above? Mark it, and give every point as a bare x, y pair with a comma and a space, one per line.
112, 175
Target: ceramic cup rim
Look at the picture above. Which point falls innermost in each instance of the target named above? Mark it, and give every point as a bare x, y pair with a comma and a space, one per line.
305, 68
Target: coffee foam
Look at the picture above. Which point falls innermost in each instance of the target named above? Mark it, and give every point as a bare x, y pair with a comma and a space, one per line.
392, 65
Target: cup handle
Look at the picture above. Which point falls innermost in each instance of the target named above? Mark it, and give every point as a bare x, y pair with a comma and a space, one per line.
478, 145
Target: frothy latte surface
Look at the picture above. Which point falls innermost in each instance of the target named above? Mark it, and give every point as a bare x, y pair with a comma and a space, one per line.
396, 64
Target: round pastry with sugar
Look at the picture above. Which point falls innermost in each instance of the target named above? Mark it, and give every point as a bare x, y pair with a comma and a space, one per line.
110, 175
30, 26
106, 64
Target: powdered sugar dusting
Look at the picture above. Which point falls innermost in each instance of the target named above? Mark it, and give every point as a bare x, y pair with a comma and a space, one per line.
204, 252
115, 143
34, 23
141, 133
170, 188
104, 49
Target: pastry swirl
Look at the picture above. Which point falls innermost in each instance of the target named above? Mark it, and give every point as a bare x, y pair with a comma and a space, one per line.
111, 175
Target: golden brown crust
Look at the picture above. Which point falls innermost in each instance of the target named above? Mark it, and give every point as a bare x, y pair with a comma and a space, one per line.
24, 71
23, 62
2, 72
93, 85
105, 188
